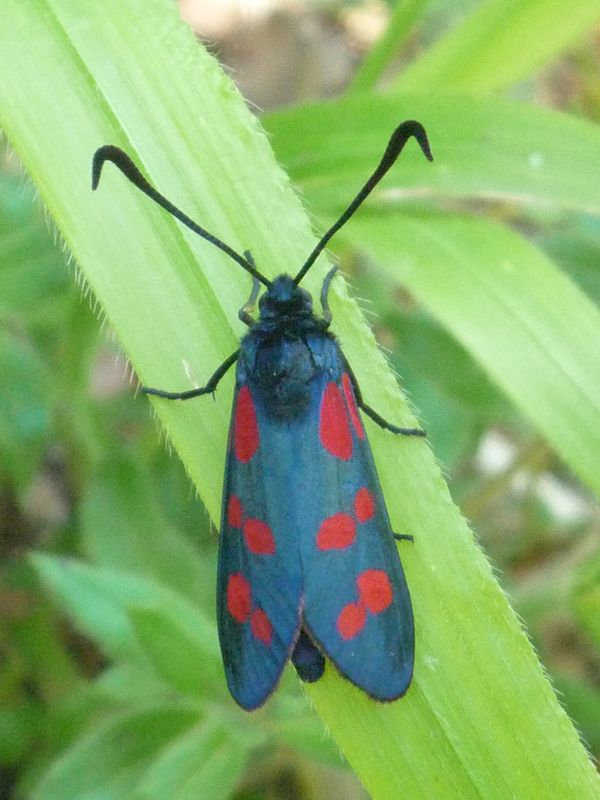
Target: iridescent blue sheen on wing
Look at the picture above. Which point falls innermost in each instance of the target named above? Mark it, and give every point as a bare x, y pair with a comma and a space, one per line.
357, 604
306, 541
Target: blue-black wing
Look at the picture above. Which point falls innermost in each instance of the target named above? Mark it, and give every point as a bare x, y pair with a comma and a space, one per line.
306, 542
357, 607
259, 575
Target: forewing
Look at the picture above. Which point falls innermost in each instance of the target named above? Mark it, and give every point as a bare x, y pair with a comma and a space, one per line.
306, 539
259, 576
356, 601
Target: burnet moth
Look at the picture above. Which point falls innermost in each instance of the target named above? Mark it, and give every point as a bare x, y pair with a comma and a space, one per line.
308, 564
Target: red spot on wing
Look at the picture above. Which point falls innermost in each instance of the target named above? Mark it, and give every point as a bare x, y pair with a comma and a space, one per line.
235, 512
375, 590
334, 428
259, 537
239, 597
336, 532
354, 415
351, 620
364, 504
245, 427
261, 626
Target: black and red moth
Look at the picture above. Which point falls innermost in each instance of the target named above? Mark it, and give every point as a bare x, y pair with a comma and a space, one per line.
308, 564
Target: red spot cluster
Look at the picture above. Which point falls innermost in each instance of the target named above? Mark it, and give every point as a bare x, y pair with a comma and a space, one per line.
338, 410
246, 437
257, 534
239, 605
339, 530
375, 594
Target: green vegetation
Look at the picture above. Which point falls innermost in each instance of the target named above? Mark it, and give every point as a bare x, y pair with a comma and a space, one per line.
483, 270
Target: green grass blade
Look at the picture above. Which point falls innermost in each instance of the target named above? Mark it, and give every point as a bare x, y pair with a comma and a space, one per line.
406, 13
207, 761
481, 719
502, 42
115, 754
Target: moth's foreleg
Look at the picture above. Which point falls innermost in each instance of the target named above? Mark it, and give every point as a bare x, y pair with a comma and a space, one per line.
208, 389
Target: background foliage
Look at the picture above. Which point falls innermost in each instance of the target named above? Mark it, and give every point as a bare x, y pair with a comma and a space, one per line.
483, 272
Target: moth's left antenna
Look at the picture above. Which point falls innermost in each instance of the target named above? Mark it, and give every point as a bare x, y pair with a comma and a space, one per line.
120, 159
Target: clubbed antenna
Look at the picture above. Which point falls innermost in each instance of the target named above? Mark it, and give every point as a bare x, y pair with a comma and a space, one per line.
121, 160
397, 141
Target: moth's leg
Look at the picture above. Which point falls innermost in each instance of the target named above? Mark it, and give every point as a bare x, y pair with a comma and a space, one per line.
400, 536
327, 316
208, 389
374, 415
245, 312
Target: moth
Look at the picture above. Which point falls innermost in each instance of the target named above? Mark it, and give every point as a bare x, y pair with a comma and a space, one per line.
308, 563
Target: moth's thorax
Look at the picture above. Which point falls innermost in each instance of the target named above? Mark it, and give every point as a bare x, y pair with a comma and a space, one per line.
285, 350
280, 369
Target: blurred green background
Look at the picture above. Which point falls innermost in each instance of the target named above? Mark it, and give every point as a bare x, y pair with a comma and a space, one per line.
84, 471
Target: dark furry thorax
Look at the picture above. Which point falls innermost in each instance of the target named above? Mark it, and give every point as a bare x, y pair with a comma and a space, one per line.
284, 350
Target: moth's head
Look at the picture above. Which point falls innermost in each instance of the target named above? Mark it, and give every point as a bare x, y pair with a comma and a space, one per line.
285, 299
